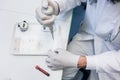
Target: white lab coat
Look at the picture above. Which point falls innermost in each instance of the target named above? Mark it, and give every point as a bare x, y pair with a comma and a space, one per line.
102, 23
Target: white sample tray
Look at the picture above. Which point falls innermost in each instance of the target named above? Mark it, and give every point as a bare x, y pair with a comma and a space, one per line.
36, 40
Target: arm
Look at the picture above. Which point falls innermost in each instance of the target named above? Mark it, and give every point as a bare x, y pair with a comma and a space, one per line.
66, 5
54, 8
106, 62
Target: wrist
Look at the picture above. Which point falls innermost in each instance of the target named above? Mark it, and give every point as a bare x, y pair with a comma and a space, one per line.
82, 62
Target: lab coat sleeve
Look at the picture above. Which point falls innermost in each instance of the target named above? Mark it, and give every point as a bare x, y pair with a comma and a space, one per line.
66, 5
106, 62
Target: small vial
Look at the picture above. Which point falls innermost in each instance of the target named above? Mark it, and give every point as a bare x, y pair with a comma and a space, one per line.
23, 26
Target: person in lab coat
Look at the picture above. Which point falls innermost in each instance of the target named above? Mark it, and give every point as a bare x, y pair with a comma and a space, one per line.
97, 45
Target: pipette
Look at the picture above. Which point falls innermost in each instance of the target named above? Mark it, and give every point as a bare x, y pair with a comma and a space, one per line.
49, 11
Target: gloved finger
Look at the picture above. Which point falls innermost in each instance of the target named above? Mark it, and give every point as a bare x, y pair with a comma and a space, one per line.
42, 22
41, 15
51, 3
48, 11
49, 65
48, 21
39, 18
54, 67
53, 55
45, 3
48, 60
53, 64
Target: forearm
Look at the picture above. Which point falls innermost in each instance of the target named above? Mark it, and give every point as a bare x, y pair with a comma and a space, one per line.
105, 62
66, 5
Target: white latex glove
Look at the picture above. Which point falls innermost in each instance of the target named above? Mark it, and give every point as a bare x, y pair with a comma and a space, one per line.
45, 14
60, 59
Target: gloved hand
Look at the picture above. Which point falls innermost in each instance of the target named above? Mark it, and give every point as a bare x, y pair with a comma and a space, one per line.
60, 59
45, 14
